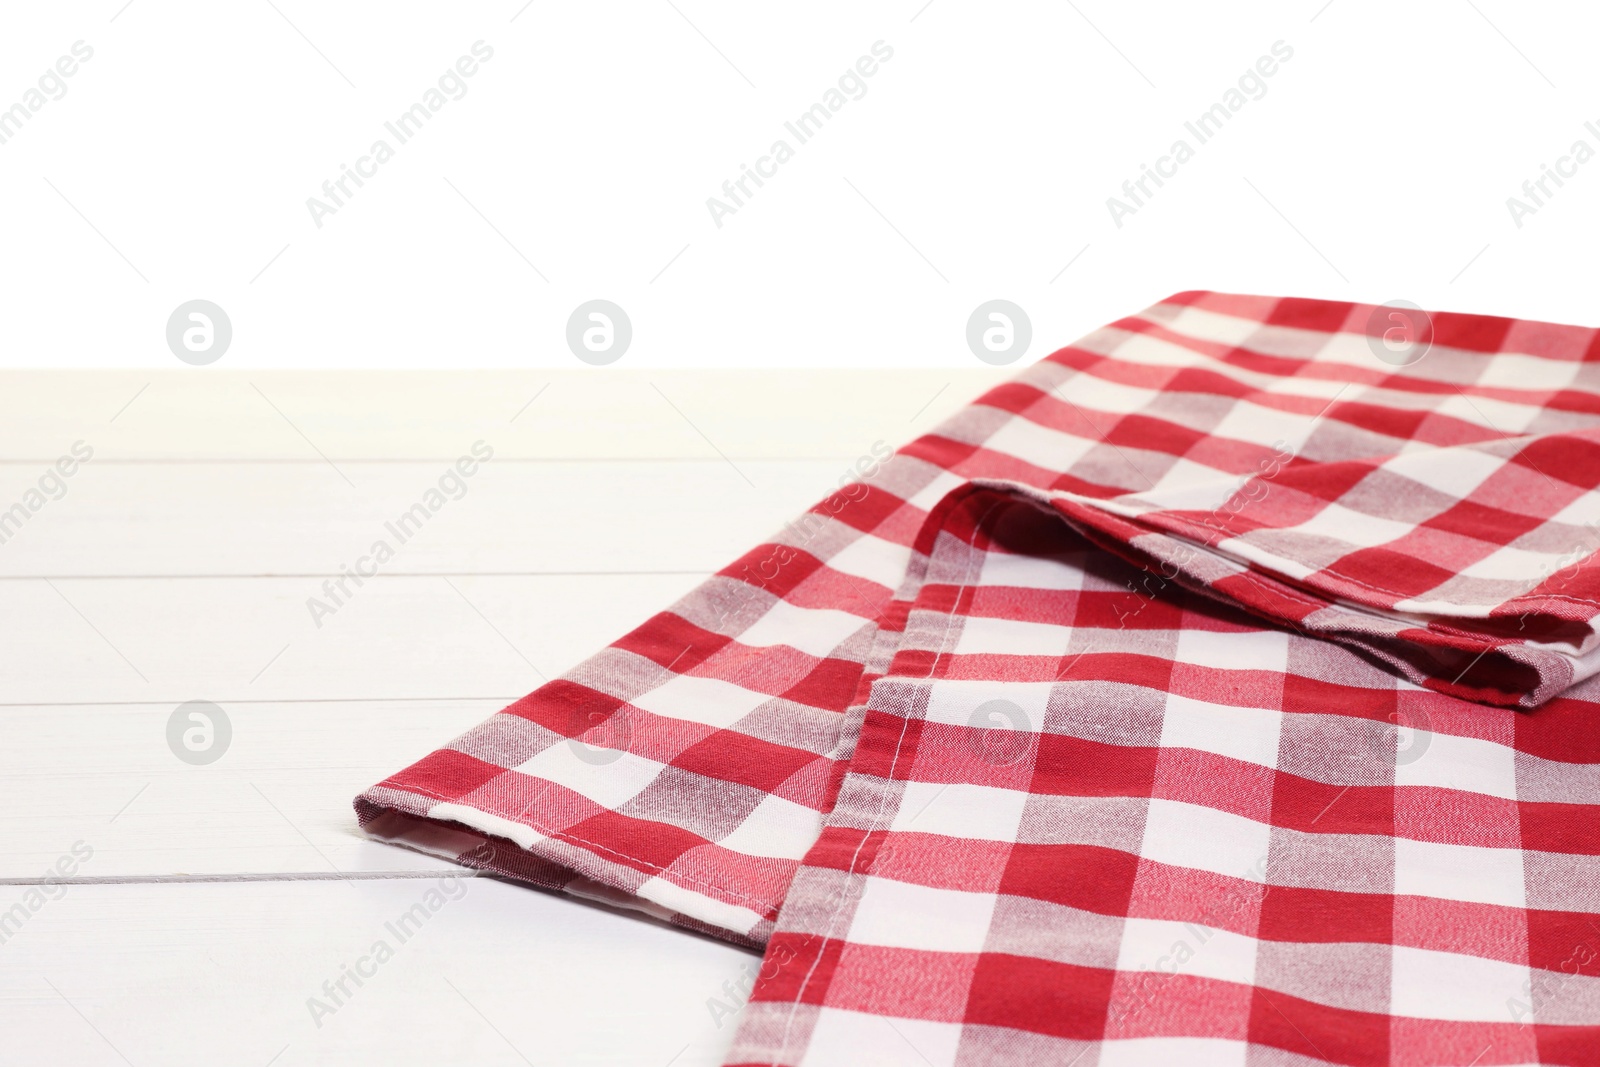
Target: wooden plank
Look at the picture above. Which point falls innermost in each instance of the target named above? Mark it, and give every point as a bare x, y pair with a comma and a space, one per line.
164, 641
254, 518
578, 414
276, 801
496, 974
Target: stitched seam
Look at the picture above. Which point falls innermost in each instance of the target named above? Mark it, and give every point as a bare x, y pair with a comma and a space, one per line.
1498, 648
905, 726
570, 838
1357, 581
1494, 645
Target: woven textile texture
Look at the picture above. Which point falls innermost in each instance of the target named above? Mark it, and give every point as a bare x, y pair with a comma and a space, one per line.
1219, 691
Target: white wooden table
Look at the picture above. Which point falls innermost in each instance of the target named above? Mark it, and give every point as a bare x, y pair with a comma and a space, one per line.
176, 565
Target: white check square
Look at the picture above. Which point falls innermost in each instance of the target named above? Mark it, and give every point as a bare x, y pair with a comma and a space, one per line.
902, 915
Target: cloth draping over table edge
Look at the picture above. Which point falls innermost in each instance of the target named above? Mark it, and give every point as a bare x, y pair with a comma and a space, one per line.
1247, 452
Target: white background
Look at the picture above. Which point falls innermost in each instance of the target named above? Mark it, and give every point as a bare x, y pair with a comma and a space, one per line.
977, 166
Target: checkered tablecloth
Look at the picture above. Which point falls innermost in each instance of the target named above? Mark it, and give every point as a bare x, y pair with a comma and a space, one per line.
1217, 692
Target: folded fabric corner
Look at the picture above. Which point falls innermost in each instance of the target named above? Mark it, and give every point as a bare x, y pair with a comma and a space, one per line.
1482, 592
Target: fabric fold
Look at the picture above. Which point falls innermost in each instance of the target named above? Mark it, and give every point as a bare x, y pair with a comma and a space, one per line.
1467, 569
1203, 580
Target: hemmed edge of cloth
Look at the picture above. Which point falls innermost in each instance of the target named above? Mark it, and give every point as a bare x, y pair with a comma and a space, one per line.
459, 843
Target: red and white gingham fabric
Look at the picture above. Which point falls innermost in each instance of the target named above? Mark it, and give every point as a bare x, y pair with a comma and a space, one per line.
1213, 693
